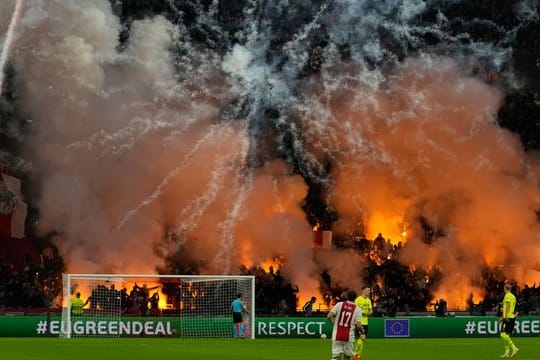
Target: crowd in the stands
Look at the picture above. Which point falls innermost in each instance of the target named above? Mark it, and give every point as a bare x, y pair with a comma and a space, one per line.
395, 287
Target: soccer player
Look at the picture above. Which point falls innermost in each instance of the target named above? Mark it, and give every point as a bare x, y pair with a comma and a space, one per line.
364, 303
238, 307
345, 317
508, 321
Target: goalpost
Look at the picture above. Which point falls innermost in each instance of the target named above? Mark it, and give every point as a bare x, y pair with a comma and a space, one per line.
188, 306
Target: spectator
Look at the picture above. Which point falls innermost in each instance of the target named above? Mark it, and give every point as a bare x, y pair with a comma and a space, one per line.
534, 304
307, 309
113, 299
440, 308
154, 304
143, 297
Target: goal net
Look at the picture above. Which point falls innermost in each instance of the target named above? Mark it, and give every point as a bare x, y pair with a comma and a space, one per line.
190, 306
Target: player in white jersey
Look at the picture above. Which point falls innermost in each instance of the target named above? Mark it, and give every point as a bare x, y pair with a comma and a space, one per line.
345, 316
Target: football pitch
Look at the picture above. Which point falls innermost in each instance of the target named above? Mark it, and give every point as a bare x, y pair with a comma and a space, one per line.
270, 349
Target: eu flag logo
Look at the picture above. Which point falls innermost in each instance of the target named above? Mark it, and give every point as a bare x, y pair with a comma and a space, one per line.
396, 328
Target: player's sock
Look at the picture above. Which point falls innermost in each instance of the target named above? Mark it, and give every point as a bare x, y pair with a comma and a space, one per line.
358, 347
507, 341
241, 330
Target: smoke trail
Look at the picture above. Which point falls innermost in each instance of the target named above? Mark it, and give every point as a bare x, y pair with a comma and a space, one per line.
236, 125
17, 13
174, 173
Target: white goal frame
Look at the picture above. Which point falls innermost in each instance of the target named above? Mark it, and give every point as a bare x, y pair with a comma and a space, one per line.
241, 284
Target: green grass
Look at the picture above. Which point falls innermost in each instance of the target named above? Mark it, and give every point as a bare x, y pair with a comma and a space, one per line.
270, 349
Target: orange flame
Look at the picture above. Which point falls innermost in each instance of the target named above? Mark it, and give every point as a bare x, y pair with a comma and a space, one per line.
274, 263
391, 226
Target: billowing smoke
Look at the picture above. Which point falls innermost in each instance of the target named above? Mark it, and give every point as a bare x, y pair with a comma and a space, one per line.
200, 131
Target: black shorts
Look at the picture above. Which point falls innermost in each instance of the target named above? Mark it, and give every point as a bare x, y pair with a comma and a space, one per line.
363, 330
237, 317
508, 325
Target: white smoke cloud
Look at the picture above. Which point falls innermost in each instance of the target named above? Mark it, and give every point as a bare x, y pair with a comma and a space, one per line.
126, 151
